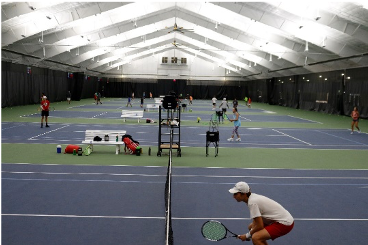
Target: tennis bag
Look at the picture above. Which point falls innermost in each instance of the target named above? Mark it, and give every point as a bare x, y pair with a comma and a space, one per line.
69, 148
130, 143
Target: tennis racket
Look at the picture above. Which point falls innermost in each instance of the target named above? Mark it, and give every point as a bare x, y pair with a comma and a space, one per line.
215, 231
226, 117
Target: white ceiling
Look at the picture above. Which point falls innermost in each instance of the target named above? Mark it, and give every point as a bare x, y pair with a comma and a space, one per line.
252, 39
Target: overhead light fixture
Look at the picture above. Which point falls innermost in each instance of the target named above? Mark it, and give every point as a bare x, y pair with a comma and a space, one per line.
93, 58
40, 40
44, 51
98, 59
324, 42
255, 64
270, 57
250, 65
305, 61
118, 67
306, 46
77, 51
318, 16
216, 25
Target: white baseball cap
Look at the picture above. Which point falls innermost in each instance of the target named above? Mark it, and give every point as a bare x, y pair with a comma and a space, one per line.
240, 187
44, 97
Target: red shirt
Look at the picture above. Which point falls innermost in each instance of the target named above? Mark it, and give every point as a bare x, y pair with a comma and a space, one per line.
355, 115
45, 105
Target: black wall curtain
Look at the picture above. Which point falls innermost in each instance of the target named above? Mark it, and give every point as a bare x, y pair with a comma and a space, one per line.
356, 91
328, 92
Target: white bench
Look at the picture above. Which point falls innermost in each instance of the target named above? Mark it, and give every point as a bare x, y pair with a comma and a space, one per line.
158, 101
131, 114
152, 106
91, 134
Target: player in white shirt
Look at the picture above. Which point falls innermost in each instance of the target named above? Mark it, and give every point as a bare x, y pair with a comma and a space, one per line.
270, 219
214, 103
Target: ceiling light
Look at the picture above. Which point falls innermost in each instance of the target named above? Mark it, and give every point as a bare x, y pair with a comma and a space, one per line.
324, 42
306, 46
305, 61
270, 57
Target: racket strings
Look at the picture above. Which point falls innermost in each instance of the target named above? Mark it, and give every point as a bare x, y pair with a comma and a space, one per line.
214, 231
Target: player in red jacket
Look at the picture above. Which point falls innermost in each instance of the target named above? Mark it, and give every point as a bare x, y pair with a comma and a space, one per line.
45, 104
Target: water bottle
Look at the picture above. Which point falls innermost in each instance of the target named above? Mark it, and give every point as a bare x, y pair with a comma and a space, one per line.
117, 138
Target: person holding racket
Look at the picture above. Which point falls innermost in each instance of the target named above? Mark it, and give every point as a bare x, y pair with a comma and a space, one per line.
355, 117
237, 123
45, 104
270, 219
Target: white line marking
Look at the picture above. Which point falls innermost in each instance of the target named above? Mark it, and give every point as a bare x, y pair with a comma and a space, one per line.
176, 218
292, 137
14, 126
189, 175
305, 119
341, 137
32, 138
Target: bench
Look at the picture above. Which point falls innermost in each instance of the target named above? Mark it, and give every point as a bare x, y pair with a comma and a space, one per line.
152, 106
158, 101
91, 134
131, 114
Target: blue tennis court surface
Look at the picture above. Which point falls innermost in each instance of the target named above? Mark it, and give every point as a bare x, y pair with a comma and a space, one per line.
187, 116
146, 134
63, 204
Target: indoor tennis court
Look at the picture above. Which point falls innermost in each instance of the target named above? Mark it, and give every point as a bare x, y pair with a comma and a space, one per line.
129, 122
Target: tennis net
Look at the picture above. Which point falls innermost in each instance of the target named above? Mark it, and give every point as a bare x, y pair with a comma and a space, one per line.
169, 240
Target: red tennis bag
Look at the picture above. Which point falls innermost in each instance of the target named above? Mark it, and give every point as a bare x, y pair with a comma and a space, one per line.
69, 148
130, 143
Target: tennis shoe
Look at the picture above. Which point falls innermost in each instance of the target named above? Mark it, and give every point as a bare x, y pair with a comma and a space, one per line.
230, 139
359, 131
238, 139
351, 133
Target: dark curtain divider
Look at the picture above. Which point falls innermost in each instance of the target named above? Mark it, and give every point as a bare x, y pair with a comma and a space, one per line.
328, 92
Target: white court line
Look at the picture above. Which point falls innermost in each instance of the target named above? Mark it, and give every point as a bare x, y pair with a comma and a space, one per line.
189, 175
130, 166
32, 138
175, 218
341, 137
292, 137
13, 127
99, 114
305, 119
246, 119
